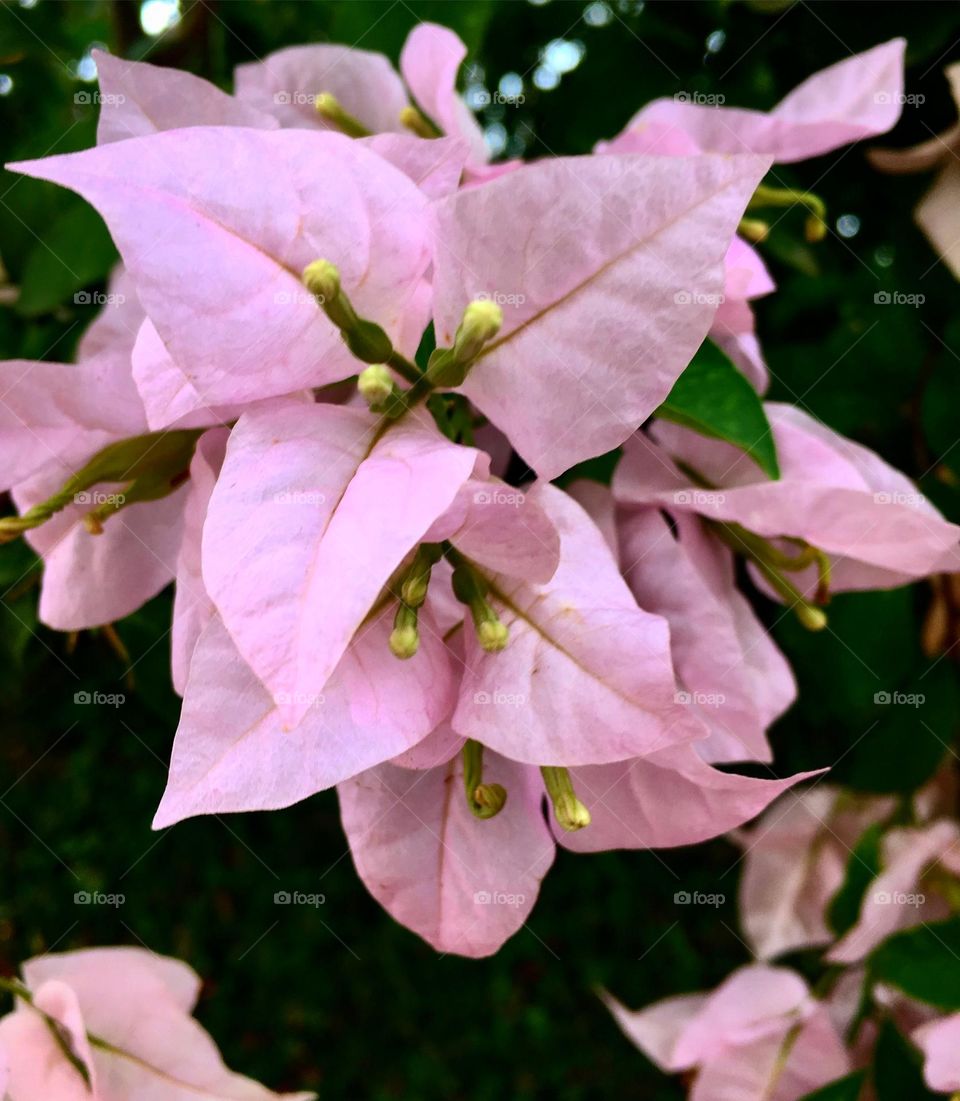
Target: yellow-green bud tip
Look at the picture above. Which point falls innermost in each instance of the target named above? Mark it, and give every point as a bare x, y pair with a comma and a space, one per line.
814, 619
490, 799
404, 641
493, 635
375, 384
322, 279
483, 319
754, 229
815, 229
327, 105
571, 814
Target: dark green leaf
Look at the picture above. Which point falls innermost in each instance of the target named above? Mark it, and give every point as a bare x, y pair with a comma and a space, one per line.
862, 867
923, 962
844, 1089
713, 398
75, 251
897, 1068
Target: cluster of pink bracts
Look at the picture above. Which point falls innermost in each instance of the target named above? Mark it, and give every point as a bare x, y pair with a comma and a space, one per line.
306, 230
763, 1035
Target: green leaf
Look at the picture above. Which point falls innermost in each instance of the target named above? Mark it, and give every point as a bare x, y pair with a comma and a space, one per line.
844, 1089
862, 867
897, 1068
714, 399
923, 962
76, 251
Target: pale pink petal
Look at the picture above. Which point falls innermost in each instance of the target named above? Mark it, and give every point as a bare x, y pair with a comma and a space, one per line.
833, 493
791, 871
693, 1030
37, 1068
859, 97
169, 398
192, 607
58, 412
940, 1043
127, 1000
666, 799
217, 259
463, 884
728, 668
114, 330
630, 247
586, 676
435, 749
502, 529
138, 99
434, 166
746, 275
315, 508
233, 751
598, 503
894, 898
657, 1029
286, 85
780, 1067
936, 215
128, 972
429, 61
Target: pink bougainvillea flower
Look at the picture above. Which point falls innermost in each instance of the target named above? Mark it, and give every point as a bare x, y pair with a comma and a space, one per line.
53, 418
856, 98
591, 667
729, 671
114, 1024
940, 1043
760, 1036
315, 507
287, 85
239, 749
795, 861
217, 257
834, 494
937, 212
631, 247
898, 898
466, 885
234, 751
138, 99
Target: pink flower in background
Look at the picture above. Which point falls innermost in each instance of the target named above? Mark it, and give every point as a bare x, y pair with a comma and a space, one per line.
940, 1043
760, 1036
834, 494
114, 1024
795, 861
856, 98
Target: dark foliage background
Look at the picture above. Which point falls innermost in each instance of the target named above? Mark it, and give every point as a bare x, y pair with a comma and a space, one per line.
341, 999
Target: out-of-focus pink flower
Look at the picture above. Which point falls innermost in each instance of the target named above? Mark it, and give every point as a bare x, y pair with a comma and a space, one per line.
114, 1024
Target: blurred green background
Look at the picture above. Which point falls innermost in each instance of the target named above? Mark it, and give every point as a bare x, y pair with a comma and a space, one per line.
340, 999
